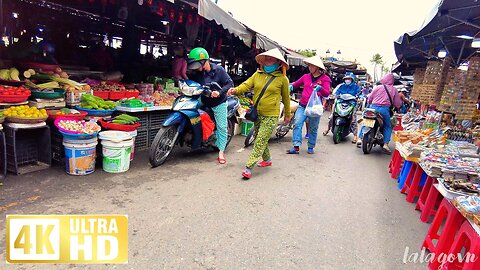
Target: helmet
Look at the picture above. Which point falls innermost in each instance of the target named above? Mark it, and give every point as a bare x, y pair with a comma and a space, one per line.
197, 58
349, 75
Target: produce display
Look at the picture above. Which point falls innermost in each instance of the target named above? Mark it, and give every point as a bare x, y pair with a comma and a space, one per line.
66, 111
125, 119
25, 111
159, 99
11, 74
92, 102
246, 102
135, 103
78, 127
14, 91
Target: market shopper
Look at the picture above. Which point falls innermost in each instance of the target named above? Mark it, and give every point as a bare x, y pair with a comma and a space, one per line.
381, 100
315, 82
205, 73
347, 87
272, 69
179, 64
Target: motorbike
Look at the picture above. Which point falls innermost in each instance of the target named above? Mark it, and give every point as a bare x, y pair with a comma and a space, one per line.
183, 126
372, 130
282, 129
344, 108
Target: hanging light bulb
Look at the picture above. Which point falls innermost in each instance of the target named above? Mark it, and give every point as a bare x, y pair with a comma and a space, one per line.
442, 53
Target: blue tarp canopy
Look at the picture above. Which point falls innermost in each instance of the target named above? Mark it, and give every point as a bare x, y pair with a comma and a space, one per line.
451, 26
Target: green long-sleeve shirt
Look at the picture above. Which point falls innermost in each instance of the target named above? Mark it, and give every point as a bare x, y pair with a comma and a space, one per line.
269, 104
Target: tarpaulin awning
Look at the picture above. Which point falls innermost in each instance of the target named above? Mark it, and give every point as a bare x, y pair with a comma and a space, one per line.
210, 11
450, 26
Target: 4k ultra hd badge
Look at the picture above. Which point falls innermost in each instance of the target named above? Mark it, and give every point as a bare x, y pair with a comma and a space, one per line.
67, 239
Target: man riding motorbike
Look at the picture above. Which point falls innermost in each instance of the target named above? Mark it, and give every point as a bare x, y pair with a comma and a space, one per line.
205, 73
347, 87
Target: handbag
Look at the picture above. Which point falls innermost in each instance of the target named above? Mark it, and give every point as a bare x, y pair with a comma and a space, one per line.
252, 113
393, 119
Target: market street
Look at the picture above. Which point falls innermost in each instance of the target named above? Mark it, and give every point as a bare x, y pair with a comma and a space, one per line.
337, 209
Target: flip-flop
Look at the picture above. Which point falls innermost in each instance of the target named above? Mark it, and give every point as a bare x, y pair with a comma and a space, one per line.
325, 133
221, 161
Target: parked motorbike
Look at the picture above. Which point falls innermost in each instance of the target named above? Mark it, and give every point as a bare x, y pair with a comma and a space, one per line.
184, 125
282, 129
343, 116
372, 130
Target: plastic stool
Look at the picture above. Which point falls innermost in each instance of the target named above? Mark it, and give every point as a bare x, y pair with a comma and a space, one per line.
453, 219
408, 176
429, 200
415, 187
469, 239
395, 164
404, 172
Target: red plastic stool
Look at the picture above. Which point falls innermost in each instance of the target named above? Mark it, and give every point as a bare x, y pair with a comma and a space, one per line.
453, 219
469, 239
429, 199
396, 164
409, 178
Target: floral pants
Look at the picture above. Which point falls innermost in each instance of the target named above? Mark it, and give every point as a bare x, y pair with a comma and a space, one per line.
264, 127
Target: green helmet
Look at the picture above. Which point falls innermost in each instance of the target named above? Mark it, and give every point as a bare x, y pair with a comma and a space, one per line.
197, 58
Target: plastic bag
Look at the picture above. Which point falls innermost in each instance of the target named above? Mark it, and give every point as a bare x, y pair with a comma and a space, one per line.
207, 125
314, 106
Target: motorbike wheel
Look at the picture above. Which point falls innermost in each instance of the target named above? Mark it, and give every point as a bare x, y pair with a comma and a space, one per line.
250, 137
162, 145
337, 134
284, 129
367, 143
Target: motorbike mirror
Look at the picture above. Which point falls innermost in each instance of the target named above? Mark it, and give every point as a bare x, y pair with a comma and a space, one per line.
215, 86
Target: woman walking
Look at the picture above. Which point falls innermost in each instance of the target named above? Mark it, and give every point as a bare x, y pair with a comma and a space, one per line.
318, 83
270, 86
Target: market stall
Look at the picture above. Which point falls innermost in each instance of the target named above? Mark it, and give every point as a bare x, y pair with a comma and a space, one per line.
439, 168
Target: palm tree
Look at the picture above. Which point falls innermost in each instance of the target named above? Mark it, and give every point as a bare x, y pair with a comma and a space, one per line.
376, 60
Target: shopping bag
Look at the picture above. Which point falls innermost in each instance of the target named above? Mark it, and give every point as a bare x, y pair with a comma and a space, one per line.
314, 106
207, 125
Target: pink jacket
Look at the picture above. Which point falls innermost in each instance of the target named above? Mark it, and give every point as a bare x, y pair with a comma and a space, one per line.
308, 86
379, 96
179, 68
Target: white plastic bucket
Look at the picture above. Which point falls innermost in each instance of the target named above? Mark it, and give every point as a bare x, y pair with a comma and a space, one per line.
133, 134
80, 156
116, 155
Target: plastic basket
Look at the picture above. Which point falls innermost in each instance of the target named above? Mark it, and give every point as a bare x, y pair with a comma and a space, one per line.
13, 98
20, 120
70, 136
58, 93
52, 116
132, 94
96, 112
119, 127
116, 95
101, 94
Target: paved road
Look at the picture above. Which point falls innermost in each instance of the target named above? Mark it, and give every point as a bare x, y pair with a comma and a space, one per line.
337, 209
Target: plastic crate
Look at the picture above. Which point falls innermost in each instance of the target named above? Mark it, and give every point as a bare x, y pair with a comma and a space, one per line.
28, 150
3, 156
151, 135
58, 150
141, 141
156, 118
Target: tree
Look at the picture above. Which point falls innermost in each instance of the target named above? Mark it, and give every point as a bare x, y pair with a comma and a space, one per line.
307, 52
377, 59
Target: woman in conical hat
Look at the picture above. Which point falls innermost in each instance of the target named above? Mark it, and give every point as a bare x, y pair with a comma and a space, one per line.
270, 76
316, 82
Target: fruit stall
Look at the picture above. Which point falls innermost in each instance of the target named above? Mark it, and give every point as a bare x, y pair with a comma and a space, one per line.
49, 117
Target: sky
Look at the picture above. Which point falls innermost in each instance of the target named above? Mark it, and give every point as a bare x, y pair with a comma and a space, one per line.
358, 28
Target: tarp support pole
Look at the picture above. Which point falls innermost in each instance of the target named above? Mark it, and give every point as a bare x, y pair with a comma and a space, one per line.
464, 21
461, 53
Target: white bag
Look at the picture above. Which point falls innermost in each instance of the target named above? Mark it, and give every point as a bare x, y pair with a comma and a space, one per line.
314, 106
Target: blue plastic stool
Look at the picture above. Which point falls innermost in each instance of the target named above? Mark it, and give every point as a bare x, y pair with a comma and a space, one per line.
407, 165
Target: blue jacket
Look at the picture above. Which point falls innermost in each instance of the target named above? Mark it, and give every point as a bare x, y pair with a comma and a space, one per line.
352, 89
219, 75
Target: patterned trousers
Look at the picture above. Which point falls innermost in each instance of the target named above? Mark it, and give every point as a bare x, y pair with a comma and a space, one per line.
264, 127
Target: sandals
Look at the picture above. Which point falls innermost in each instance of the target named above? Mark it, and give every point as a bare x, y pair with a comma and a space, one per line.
310, 151
221, 161
247, 174
325, 133
292, 151
264, 164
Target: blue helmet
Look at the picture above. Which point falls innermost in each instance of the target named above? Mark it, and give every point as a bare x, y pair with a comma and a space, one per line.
350, 75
